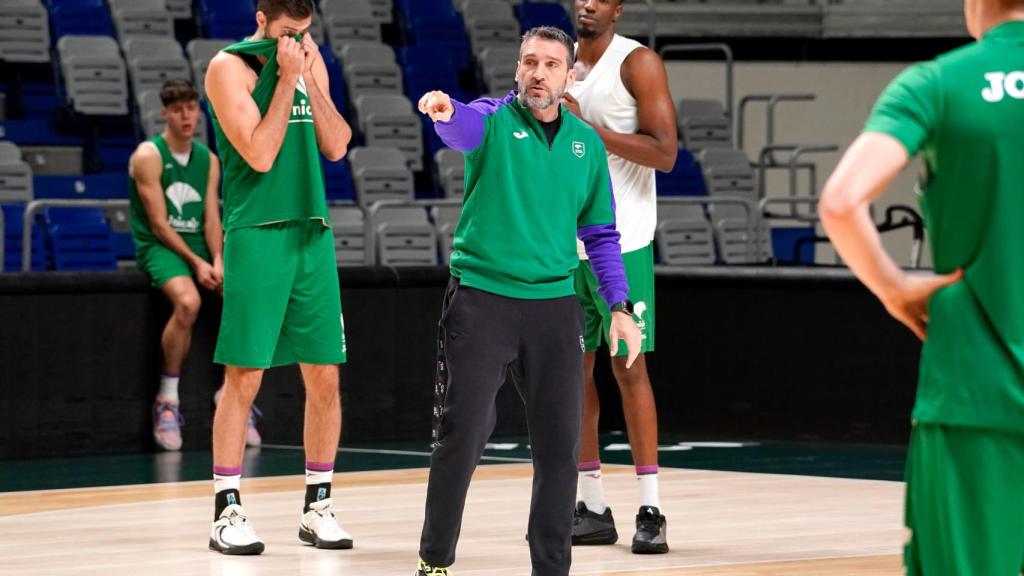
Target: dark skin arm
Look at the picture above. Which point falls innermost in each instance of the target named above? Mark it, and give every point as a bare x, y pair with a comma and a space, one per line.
656, 142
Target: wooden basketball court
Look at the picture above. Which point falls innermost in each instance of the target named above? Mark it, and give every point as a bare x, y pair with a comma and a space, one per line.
720, 523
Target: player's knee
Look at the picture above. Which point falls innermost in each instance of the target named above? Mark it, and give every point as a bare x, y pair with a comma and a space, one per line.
186, 307
323, 391
629, 379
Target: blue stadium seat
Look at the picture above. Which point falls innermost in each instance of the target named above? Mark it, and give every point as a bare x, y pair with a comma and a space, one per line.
36, 132
13, 227
685, 179
533, 14
409, 10
446, 33
115, 151
339, 92
38, 100
227, 18
88, 17
113, 185
80, 239
338, 180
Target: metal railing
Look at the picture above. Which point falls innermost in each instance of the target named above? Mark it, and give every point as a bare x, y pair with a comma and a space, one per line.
730, 64
36, 206
773, 100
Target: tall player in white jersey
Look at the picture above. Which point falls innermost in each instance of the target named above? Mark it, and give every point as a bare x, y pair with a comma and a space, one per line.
622, 91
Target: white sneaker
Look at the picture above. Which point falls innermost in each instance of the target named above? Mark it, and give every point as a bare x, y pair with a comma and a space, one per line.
321, 528
233, 534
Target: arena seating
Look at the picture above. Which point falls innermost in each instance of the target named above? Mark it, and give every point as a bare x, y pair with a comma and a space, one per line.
92, 71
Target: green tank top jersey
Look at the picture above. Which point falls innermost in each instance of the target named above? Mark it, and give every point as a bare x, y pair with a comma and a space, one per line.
964, 113
293, 189
184, 189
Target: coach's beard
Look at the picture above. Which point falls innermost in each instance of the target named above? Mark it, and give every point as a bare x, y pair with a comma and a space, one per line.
539, 102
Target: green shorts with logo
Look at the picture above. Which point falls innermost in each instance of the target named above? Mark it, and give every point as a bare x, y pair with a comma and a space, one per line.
639, 266
282, 304
965, 503
161, 263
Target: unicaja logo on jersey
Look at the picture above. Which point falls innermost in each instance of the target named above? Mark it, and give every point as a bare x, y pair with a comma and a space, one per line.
180, 194
1002, 85
302, 111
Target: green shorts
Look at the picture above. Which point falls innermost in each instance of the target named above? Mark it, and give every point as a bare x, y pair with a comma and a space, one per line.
281, 299
161, 263
640, 275
965, 502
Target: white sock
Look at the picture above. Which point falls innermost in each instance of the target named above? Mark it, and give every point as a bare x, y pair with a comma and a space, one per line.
168, 388
649, 490
318, 476
222, 482
592, 490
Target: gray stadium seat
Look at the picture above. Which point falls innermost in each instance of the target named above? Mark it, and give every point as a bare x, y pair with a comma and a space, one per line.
379, 174
179, 9
15, 174
94, 74
405, 237
388, 121
349, 228
366, 52
490, 22
154, 61
372, 78
380, 10
145, 18
728, 174
446, 218
498, 66
684, 236
24, 31
317, 30
53, 160
200, 52
451, 172
350, 23
703, 124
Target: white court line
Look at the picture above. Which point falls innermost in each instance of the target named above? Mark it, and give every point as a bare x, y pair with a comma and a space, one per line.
727, 564
399, 453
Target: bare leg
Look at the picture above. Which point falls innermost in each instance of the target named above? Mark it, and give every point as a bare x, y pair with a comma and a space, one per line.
229, 422
177, 335
323, 412
639, 409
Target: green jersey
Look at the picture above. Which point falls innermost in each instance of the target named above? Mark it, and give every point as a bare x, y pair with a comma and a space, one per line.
525, 198
964, 112
184, 189
293, 189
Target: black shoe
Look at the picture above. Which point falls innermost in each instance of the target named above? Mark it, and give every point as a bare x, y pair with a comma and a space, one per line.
651, 532
425, 569
592, 529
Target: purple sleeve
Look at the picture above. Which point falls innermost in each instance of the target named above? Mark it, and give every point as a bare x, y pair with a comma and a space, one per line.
465, 131
602, 244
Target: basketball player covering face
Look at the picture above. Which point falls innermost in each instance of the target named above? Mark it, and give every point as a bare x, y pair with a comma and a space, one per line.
273, 116
622, 91
964, 113
536, 179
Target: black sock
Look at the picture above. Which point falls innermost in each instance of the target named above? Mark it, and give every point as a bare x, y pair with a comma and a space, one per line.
223, 499
316, 493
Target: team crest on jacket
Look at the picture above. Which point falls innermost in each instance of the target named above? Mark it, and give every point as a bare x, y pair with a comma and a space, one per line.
579, 149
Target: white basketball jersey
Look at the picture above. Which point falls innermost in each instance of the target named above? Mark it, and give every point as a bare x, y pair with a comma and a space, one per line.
605, 101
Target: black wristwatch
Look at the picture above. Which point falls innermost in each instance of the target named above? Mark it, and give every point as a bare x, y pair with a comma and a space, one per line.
624, 306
